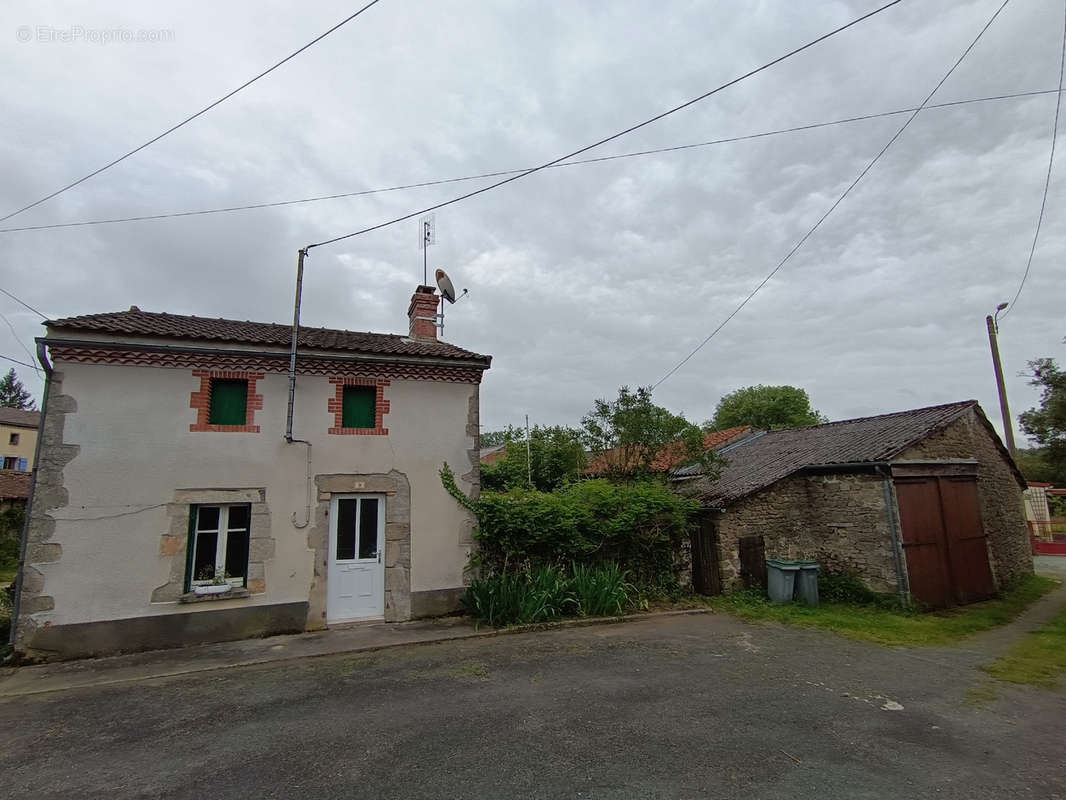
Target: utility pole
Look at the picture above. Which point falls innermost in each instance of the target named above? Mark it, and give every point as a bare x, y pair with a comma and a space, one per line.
529, 458
993, 330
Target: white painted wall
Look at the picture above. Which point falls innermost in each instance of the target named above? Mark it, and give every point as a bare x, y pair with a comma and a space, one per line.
132, 427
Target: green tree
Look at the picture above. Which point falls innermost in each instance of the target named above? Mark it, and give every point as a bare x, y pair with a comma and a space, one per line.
1035, 466
13, 394
765, 407
556, 457
1047, 424
631, 437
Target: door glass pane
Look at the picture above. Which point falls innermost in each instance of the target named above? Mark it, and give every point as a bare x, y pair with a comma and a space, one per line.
237, 554
203, 568
368, 528
207, 518
238, 518
346, 529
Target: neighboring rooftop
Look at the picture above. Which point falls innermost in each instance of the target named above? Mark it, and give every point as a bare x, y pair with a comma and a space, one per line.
178, 326
673, 454
20, 418
14, 485
763, 459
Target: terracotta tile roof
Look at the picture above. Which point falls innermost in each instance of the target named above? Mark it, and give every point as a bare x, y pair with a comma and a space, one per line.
14, 485
490, 455
764, 459
20, 418
673, 454
177, 326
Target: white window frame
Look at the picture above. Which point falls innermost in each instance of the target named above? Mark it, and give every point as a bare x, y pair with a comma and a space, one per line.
223, 530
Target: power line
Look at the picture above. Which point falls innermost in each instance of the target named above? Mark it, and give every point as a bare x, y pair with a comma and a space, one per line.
24, 304
578, 162
1047, 180
612, 137
189, 119
22, 344
833, 207
16, 361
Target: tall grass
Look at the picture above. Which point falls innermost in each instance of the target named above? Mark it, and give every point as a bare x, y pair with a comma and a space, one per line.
548, 593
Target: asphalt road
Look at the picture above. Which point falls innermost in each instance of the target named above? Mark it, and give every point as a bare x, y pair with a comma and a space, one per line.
679, 707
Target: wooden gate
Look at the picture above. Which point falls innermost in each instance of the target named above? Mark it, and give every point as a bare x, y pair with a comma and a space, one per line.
706, 578
943, 539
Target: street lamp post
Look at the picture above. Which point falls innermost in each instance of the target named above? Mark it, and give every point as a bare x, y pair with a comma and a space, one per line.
993, 330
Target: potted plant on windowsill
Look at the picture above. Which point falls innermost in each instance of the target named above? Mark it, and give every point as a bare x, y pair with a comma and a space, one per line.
219, 582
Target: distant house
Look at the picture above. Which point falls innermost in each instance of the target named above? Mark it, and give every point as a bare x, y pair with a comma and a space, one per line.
670, 457
169, 475
925, 503
18, 438
14, 489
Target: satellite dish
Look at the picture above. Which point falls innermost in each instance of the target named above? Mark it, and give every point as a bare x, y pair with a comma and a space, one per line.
444, 283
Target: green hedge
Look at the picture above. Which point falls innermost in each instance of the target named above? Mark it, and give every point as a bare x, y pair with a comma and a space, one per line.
640, 527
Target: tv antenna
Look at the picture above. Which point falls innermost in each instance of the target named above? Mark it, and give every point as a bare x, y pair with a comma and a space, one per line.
447, 292
427, 235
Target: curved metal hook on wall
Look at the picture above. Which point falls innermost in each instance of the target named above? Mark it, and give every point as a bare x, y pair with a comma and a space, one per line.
307, 515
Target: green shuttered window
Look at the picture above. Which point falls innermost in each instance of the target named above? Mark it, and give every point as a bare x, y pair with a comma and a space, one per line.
359, 407
229, 402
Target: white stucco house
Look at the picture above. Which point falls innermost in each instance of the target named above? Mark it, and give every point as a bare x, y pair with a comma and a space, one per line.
170, 507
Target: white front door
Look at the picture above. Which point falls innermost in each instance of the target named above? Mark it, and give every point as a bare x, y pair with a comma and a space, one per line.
356, 572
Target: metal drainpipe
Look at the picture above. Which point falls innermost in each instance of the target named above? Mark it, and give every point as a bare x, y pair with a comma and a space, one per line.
902, 580
292, 347
42, 357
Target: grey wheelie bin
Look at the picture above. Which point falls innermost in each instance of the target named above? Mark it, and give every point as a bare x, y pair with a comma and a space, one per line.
781, 579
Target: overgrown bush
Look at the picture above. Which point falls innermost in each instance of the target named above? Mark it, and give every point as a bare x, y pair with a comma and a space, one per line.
847, 588
11, 520
548, 593
638, 526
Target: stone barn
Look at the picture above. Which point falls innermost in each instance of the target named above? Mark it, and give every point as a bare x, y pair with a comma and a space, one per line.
925, 503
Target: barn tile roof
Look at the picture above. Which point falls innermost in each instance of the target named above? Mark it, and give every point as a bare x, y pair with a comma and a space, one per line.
178, 326
763, 459
20, 418
14, 485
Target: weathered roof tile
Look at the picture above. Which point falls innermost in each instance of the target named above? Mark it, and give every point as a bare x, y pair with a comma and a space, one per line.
178, 326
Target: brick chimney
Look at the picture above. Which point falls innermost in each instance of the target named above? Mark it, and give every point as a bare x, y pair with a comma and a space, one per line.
422, 313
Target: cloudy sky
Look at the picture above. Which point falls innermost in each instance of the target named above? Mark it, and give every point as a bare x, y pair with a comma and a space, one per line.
581, 278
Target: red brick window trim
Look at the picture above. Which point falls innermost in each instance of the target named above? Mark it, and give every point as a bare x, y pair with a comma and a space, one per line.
336, 407
201, 401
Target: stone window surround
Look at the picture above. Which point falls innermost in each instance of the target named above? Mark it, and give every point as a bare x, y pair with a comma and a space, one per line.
201, 401
173, 544
335, 406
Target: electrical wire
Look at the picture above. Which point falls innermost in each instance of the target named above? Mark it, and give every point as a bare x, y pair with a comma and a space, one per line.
22, 344
110, 516
1047, 180
839, 200
612, 137
16, 361
578, 162
189, 119
24, 304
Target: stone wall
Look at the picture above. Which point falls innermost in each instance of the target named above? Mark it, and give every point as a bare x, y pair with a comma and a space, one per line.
1002, 507
837, 519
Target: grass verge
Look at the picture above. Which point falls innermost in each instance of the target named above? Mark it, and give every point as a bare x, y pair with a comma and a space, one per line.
890, 626
1038, 660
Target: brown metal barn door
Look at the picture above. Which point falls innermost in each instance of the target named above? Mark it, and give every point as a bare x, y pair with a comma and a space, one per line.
967, 551
924, 541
